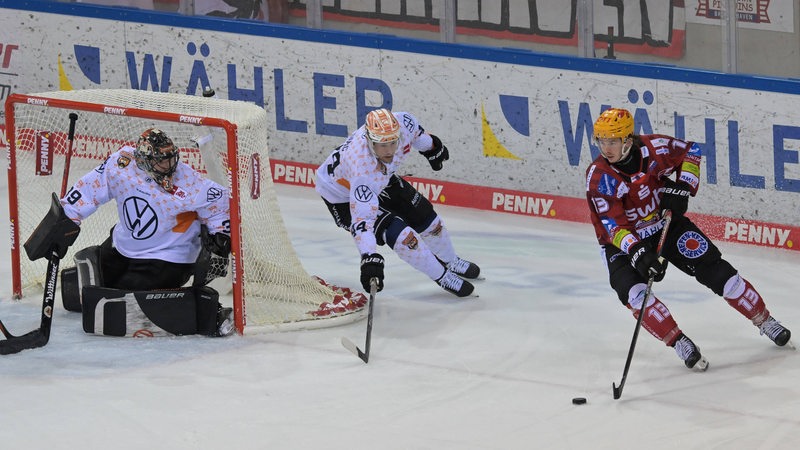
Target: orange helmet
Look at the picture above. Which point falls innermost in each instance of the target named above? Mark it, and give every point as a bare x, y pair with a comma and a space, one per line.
614, 123
382, 126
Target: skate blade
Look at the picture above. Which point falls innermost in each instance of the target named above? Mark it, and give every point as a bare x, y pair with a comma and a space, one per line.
702, 365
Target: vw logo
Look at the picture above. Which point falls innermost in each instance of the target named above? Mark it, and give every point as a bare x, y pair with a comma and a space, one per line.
140, 218
363, 193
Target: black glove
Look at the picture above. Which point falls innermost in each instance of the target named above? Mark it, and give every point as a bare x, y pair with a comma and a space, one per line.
218, 244
646, 262
56, 232
437, 155
675, 197
371, 267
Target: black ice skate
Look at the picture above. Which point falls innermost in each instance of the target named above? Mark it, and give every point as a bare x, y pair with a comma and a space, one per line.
454, 284
779, 334
689, 353
464, 268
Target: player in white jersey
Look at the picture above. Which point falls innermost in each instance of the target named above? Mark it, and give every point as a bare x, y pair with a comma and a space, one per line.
365, 196
163, 205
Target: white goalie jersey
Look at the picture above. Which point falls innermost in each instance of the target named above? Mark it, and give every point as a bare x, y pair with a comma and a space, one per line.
153, 223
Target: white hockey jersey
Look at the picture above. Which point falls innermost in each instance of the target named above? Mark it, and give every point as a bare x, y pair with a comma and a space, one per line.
352, 174
153, 223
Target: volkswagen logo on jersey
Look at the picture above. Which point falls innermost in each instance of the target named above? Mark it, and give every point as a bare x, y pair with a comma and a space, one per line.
213, 194
140, 218
692, 244
363, 193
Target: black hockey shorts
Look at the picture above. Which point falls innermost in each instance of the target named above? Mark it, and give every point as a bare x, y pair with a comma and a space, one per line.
121, 272
398, 199
686, 247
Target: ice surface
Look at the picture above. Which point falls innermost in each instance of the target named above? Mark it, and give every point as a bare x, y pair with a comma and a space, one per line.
494, 372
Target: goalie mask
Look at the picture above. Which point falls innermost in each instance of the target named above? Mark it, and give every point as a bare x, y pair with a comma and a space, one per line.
157, 155
382, 128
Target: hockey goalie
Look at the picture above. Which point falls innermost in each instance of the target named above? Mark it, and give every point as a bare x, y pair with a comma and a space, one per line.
173, 226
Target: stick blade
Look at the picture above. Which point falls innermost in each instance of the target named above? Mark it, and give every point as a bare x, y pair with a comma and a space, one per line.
617, 391
348, 344
16, 344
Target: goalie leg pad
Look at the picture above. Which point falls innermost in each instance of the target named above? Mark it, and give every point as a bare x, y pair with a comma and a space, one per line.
70, 293
207, 308
116, 312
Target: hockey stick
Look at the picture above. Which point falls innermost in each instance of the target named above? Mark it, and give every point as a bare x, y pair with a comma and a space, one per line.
347, 343
72, 119
40, 336
667, 216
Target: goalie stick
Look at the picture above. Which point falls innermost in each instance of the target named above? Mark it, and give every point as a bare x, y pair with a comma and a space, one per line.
347, 343
617, 390
40, 336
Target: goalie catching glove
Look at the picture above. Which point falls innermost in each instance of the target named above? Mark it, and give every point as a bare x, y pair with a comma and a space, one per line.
371, 267
212, 262
646, 262
218, 244
675, 197
436, 155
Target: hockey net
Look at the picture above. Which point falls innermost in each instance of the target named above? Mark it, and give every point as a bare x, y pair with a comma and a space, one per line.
223, 139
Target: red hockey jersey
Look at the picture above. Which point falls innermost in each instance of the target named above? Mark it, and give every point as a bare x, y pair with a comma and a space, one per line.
625, 206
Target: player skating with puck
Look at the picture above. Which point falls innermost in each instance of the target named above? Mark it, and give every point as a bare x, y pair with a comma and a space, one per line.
628, 185
366, 197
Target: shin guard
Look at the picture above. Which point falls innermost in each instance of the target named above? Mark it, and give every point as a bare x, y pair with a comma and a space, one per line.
414, 251
743, 297
657, 319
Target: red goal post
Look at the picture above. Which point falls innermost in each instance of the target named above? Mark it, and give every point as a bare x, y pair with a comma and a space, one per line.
223, 139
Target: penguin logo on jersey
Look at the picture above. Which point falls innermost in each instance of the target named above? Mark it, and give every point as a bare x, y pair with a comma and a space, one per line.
692, 245
363, 193
140, 218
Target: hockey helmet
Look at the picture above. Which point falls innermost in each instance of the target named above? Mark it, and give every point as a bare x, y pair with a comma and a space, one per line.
614, 123
152, 149
382, 127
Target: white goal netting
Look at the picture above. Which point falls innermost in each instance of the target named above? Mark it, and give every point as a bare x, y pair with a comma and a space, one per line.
224, 139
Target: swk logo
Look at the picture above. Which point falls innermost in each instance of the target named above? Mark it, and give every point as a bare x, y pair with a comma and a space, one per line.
140, 218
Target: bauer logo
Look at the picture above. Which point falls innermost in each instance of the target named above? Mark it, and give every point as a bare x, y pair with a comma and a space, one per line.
44, 154
164, 295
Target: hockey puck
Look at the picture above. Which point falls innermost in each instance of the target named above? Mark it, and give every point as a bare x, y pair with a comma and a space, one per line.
208, 92
578, 401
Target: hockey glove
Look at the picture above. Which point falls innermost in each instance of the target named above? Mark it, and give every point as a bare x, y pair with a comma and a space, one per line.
371, 267
646, 262
437, 155
218, 244
675, 197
